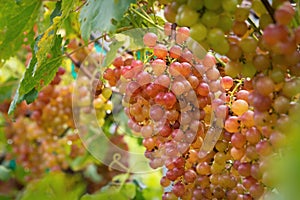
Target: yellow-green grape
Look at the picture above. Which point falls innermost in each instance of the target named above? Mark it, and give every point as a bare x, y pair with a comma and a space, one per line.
229, 5
106, 93
195, 4
248, 70
186, 16
258, 7
233, 69
101, 121
198, 32
101, 114
242, 13
265, 20
99, 102
225, 22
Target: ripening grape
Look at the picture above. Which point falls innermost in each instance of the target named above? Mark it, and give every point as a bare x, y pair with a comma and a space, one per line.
232, 124
284, 14
239, 107
160, 51
150, 39
226, 82
158, 66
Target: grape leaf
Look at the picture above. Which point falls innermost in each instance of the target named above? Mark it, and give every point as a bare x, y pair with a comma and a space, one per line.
113, 50
99, 15
46, 40
40, 77
15, 19
126, 192
55, 186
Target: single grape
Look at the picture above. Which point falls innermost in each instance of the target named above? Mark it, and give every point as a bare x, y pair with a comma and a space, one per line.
150, 39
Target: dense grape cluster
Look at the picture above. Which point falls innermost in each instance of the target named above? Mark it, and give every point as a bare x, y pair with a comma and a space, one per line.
170, 98
48, 124
209, 21
169, 102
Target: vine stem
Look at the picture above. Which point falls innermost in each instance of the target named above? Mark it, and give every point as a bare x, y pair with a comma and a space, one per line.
145, 18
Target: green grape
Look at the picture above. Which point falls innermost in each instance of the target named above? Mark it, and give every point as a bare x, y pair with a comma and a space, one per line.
210, 19
248, 70
229, 5
198, 32
248, 45
277, 75
242, 13
215, 36
195, 4
186, 16
222, 47
225, 22
265, 20
106, 93
212, 5
233, 69
258, 7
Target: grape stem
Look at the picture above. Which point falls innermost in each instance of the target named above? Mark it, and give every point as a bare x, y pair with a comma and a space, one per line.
254, 26
269, 9
231, 93
219, 60
145, 18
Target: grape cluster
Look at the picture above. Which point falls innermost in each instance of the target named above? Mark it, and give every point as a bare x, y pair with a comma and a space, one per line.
209, 21
169, 101
44, 130
264, 63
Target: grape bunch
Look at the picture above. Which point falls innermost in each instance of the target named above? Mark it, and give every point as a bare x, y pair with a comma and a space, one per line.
49, 127
262, 88
169, 101
209, 21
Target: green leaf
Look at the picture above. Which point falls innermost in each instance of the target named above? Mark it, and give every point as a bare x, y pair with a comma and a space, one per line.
31, 96
55, 186
98, 15
126, 192
56, 12
38, 77
15, 19
5, 173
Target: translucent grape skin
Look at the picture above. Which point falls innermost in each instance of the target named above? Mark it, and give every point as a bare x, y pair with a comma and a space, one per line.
150, 39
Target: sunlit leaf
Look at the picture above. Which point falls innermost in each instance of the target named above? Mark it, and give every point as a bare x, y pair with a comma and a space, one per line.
98, 15
55, 186
15, 20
